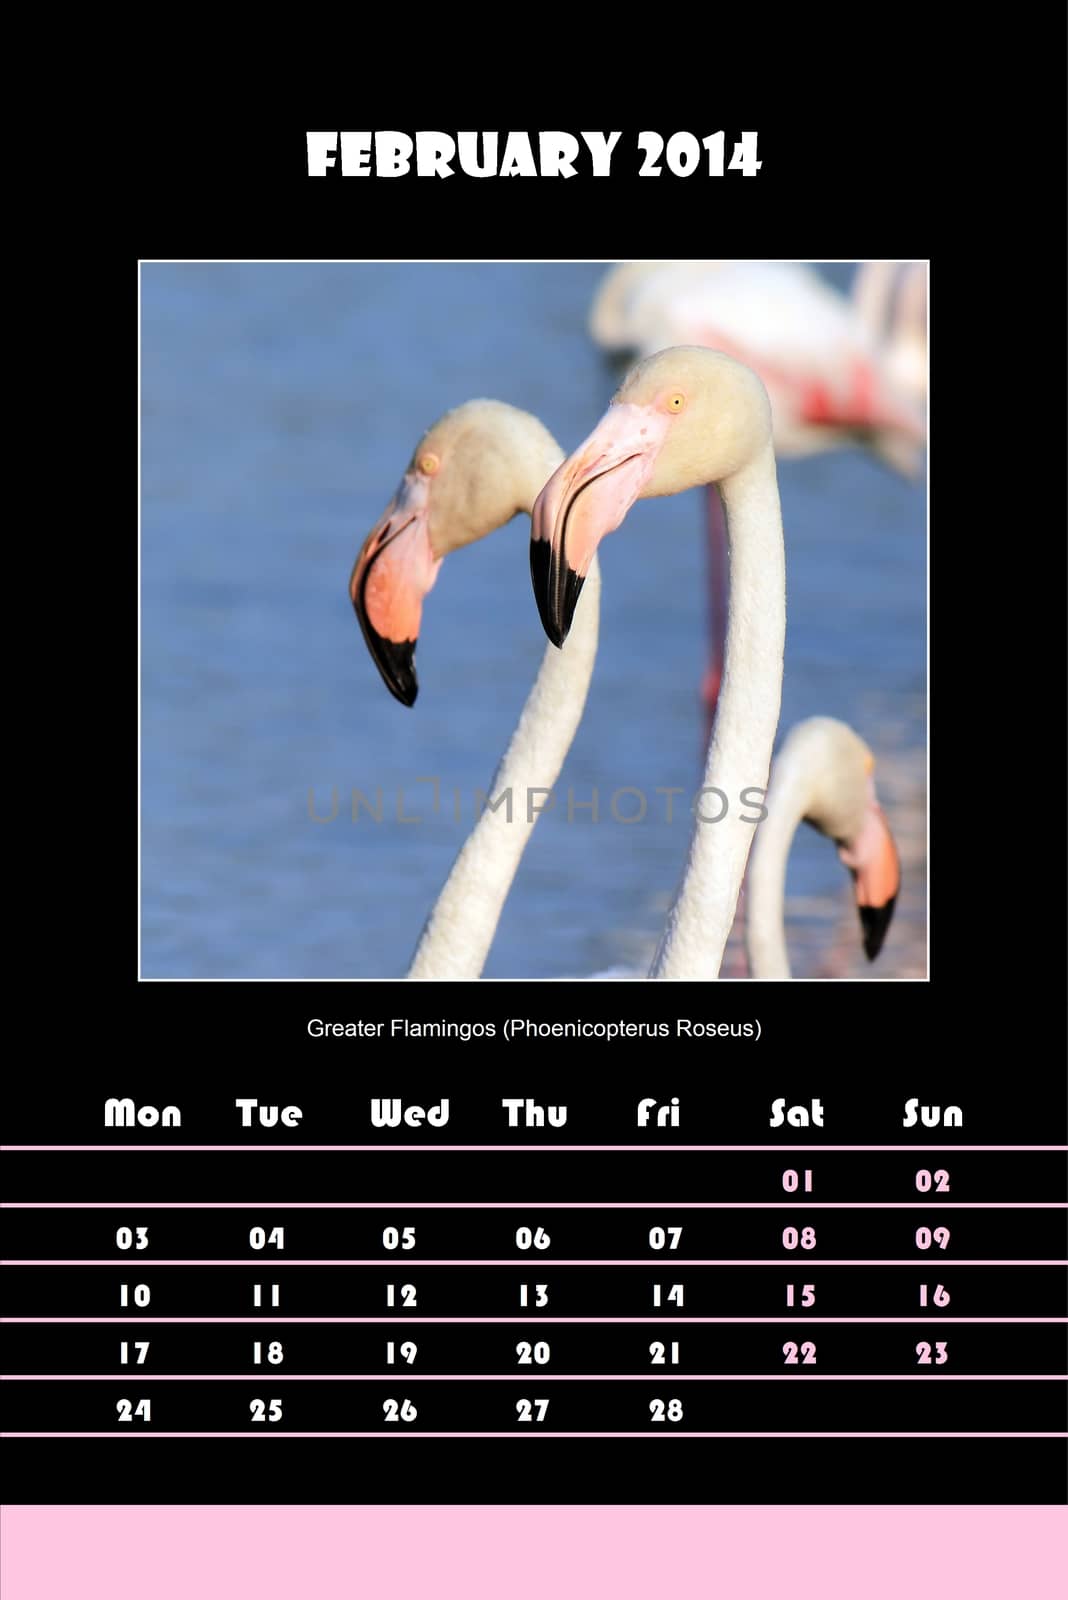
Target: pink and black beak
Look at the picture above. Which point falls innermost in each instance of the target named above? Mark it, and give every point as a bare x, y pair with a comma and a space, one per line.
588, 496
872, 858
394, 570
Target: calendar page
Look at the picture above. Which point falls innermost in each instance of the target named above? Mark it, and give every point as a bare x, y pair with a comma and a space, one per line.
557, 1134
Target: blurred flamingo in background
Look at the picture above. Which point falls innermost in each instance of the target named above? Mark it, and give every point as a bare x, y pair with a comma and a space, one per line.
891, 297
839, 370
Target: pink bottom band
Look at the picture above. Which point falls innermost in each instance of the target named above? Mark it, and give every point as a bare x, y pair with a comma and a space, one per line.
531, 1552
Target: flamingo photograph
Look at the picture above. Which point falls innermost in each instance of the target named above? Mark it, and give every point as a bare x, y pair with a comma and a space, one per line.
683, 613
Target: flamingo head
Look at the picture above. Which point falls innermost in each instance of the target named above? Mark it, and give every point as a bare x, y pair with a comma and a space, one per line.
841, 802
871, 857
471, 472
684, 417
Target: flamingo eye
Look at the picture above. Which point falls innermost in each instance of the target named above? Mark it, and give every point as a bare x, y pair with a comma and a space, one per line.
429, 464
676, 402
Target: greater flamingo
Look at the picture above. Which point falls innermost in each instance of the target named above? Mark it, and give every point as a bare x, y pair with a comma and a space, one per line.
474, 470
682, 419
822, 775
829, 368
891, 298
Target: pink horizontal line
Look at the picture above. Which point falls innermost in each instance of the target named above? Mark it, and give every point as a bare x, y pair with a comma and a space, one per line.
586, 1149
531, 1205
402, 1262
543, 1377
548, 1322
670, 1433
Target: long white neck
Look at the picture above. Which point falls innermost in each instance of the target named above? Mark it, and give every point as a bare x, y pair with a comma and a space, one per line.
872, 289
460, 928
739, 755
765, 894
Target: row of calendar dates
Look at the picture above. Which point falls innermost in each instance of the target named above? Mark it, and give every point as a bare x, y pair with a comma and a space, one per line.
669, 1288
590, 1234
426, 1348
938, 1178
660, 1403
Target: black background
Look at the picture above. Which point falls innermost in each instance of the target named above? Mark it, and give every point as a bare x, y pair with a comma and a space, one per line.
727, 1107
846, 174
